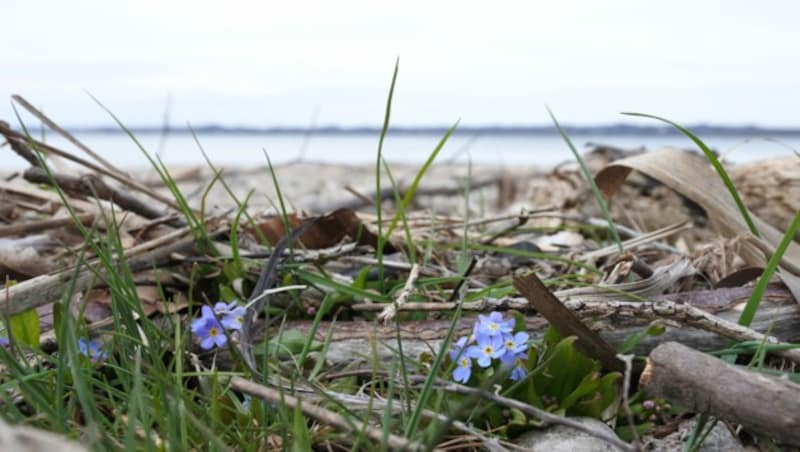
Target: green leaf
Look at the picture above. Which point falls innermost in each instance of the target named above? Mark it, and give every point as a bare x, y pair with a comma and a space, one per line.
320, 280
750, 309
412, 189
58, 313
656, 328
290, 342
587, 386
625, 432
25, 328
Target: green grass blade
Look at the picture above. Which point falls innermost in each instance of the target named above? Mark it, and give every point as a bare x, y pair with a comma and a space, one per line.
415, 183
378, 203
754, 301
401, 211
612, 228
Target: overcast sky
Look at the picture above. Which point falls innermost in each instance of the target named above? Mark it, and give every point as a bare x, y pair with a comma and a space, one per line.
276, 63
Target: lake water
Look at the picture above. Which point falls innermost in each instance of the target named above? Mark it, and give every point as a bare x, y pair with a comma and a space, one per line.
247, 150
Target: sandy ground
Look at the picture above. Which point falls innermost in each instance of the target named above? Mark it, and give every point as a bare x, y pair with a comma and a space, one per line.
315, 188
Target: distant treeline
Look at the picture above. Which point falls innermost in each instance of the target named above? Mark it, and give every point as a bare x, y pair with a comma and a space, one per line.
609, 130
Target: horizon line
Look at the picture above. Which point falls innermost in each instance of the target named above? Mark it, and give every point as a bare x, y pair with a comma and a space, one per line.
491, 129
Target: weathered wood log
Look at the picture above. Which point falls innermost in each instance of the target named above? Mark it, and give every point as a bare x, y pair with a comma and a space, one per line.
705, 384
779, 313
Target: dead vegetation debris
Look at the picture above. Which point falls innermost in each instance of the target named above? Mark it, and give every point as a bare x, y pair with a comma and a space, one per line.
683, 246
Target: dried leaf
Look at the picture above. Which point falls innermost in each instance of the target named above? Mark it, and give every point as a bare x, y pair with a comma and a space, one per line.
691, 175
326, 231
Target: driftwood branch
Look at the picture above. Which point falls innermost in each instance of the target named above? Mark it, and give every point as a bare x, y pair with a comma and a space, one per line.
31, 227
46, 289
779, 313
706, 384
10, 134
52, 125
94, 186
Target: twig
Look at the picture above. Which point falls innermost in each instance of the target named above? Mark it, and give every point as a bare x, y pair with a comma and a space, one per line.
31, 227
626, 388
9, 133
275, 290
683, 313
390, 310
321, 414
91, 185
544, 416
463, 280
317, 256
482, 305
524, 215
639, 240
45, 289
49, 123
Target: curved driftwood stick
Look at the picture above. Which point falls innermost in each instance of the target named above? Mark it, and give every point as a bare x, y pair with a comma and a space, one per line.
705, 384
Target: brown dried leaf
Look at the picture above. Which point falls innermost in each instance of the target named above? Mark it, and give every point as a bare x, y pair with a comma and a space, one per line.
691, 175
326, 231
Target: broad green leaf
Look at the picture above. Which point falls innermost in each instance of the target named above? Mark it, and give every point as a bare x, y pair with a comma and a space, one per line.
290, 342
25, 328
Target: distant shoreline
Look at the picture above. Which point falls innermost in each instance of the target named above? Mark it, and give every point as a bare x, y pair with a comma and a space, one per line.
602, 130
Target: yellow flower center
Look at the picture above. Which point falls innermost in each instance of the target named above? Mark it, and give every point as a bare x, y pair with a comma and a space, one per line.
464, 362
488, 350
213, 332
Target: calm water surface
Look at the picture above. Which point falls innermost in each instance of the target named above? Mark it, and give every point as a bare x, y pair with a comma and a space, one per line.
244, 150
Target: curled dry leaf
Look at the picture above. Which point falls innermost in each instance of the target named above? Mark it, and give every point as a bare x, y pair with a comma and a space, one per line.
691, 175
326, 231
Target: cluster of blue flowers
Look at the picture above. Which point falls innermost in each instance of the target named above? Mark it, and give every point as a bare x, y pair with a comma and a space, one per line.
492, 338
211, 325
91, 349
